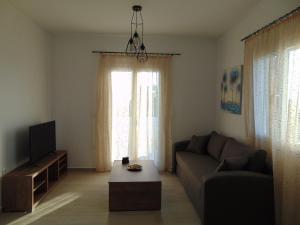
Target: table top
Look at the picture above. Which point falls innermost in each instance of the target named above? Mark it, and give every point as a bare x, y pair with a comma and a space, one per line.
34, 170
149, 172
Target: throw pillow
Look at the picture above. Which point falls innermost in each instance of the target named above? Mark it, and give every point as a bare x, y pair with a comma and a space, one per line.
233, 148
198, 144
216, 144
233, 163
257, 161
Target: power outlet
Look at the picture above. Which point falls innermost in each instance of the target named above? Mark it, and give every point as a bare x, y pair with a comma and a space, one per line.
3, 171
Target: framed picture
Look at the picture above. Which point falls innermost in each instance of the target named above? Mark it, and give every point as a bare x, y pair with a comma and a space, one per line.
231, 90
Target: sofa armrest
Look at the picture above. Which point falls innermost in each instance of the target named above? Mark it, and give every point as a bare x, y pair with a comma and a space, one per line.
237, 197
178, 146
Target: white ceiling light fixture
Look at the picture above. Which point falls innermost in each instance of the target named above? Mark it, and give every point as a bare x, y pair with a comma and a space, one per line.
135, 45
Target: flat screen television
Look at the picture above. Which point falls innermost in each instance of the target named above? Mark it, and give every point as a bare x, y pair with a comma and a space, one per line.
42, 141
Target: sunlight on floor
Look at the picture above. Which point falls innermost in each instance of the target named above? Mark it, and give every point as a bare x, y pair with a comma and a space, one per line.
46, 208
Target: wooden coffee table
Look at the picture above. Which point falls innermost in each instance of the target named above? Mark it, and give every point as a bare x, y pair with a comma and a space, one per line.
134, 190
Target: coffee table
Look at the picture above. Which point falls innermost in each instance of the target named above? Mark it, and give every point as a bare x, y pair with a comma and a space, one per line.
134, 190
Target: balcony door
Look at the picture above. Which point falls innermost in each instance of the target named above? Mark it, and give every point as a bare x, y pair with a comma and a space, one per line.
136, 110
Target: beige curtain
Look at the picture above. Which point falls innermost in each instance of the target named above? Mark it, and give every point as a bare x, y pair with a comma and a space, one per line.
110, 63
103, 117
272, 109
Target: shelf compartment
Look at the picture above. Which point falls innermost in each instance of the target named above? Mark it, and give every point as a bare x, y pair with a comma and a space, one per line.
40, 191
38, 197
62, 166
40, 184
51, 184
40, 180
62, 159
53, 172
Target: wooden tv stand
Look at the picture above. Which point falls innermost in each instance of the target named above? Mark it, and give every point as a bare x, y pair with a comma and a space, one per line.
24, 187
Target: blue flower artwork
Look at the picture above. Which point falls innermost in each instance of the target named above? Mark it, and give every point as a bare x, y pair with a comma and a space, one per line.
231, 90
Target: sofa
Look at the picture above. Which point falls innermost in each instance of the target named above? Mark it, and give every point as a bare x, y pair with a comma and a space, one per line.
228, 183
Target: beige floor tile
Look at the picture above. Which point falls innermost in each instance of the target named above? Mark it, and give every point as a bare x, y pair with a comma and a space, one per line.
81, 197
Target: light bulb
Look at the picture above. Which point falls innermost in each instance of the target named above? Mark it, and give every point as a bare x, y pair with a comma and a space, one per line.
130, 49
142, 55
136, 40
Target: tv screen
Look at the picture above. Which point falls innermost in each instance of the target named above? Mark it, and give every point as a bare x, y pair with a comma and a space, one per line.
41, 140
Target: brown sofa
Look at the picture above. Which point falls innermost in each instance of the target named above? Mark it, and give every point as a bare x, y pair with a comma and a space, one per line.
229, 183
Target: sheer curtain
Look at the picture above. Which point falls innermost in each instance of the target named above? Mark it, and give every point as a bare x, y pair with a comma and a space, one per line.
133, 110
272, 109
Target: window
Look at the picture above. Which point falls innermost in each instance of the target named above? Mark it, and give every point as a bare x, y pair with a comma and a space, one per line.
294, 92
282, 101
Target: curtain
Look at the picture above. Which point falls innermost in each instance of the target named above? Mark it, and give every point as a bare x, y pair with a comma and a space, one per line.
272, 109
142, 128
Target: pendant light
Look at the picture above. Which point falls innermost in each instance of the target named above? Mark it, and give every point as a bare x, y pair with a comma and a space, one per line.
135, 45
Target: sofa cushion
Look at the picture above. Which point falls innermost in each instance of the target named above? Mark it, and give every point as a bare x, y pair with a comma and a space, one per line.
196, 165
257, 161
215, 145
233, 148
191, 168
198, 144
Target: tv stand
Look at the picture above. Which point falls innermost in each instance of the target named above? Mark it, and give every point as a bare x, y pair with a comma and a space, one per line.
32, 165
24, 187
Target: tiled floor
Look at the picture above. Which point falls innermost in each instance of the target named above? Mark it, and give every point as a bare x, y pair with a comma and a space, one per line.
81, 197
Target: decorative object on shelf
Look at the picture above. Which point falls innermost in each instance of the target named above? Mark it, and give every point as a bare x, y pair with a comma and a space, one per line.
231, 90
125, 160
135, 45
134, 167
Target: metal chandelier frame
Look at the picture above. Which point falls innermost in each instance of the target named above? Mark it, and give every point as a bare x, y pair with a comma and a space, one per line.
135, 45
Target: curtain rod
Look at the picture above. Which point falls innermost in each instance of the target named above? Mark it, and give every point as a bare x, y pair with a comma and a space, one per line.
272, 23
150, 53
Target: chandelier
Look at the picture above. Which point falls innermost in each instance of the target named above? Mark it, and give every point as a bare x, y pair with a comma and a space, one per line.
135, 45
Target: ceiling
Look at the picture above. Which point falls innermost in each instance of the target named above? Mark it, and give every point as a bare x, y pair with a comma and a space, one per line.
163, 17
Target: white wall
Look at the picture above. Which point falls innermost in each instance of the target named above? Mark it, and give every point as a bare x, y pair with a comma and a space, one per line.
25, 52
231, 53
74, 88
